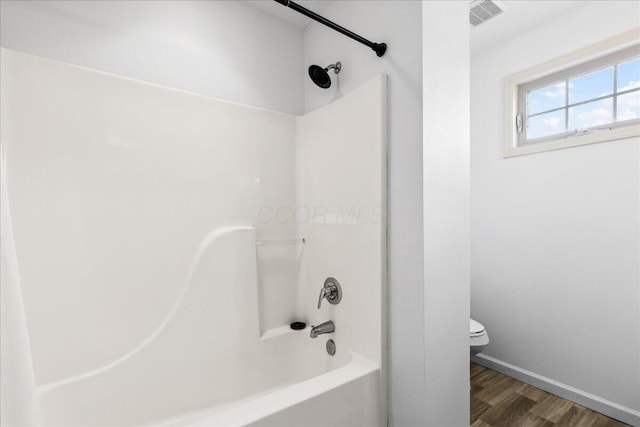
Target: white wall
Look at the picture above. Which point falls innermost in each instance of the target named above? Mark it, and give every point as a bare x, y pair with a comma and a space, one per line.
399, 25
223, 49
445, 49
555, 243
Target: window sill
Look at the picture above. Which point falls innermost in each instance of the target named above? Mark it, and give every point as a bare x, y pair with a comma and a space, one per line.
573, 141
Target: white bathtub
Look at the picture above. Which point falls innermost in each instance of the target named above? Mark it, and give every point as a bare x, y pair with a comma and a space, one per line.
345, 396
207, 364
314, 390
146, 297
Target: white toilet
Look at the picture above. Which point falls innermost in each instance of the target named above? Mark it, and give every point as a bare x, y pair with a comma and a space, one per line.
478, 337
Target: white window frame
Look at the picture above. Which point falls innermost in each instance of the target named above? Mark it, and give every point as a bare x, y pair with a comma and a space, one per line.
557, 69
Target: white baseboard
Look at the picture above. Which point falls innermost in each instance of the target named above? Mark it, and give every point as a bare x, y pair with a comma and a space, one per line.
604, 406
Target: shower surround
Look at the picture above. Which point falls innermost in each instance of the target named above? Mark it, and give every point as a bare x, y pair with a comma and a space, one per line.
165, 241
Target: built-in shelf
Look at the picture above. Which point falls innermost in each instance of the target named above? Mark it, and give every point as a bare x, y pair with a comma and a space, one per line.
276, 332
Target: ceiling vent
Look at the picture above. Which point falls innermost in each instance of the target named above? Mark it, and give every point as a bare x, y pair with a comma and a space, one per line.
481, 11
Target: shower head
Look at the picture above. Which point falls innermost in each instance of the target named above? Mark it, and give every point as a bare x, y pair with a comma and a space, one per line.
320, 76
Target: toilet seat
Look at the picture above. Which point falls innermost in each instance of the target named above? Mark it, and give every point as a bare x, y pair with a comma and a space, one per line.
478, 337
475, 328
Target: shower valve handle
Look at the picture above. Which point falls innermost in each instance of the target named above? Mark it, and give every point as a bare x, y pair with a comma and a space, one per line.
324, 293
331, 290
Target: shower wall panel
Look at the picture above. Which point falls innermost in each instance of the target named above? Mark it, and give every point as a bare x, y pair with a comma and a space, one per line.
113, 184
341, 191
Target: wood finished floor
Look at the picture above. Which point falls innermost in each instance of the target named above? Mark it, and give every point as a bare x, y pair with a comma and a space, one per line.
501, 401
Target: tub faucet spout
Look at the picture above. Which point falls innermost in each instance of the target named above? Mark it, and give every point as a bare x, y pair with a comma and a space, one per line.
323, 328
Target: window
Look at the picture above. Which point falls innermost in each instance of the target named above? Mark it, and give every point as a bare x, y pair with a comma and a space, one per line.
585, 101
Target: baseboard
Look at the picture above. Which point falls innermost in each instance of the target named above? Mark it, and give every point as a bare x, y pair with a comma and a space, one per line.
604, 406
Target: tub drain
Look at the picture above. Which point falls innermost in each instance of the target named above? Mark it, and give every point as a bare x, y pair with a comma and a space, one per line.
331, 347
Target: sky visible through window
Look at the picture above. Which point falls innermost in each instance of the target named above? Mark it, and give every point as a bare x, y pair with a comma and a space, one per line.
591, 101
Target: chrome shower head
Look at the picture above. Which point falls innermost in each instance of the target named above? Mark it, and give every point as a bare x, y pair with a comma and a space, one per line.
320, 76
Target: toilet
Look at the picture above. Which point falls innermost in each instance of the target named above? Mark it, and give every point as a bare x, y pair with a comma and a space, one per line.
478, 337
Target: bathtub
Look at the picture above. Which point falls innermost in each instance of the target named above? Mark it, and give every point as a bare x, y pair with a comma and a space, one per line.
315, 390
207, 364
141, 215
341, 397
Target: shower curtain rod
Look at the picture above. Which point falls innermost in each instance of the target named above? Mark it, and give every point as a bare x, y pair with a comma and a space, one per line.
379, 48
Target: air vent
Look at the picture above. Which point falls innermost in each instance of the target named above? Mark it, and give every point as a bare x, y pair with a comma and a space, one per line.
481, 11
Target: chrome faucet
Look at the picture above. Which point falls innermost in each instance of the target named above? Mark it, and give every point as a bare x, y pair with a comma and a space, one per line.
323, 328
331, 290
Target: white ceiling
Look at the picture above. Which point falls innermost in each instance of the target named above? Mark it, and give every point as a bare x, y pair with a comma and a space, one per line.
279, 11
519, 17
